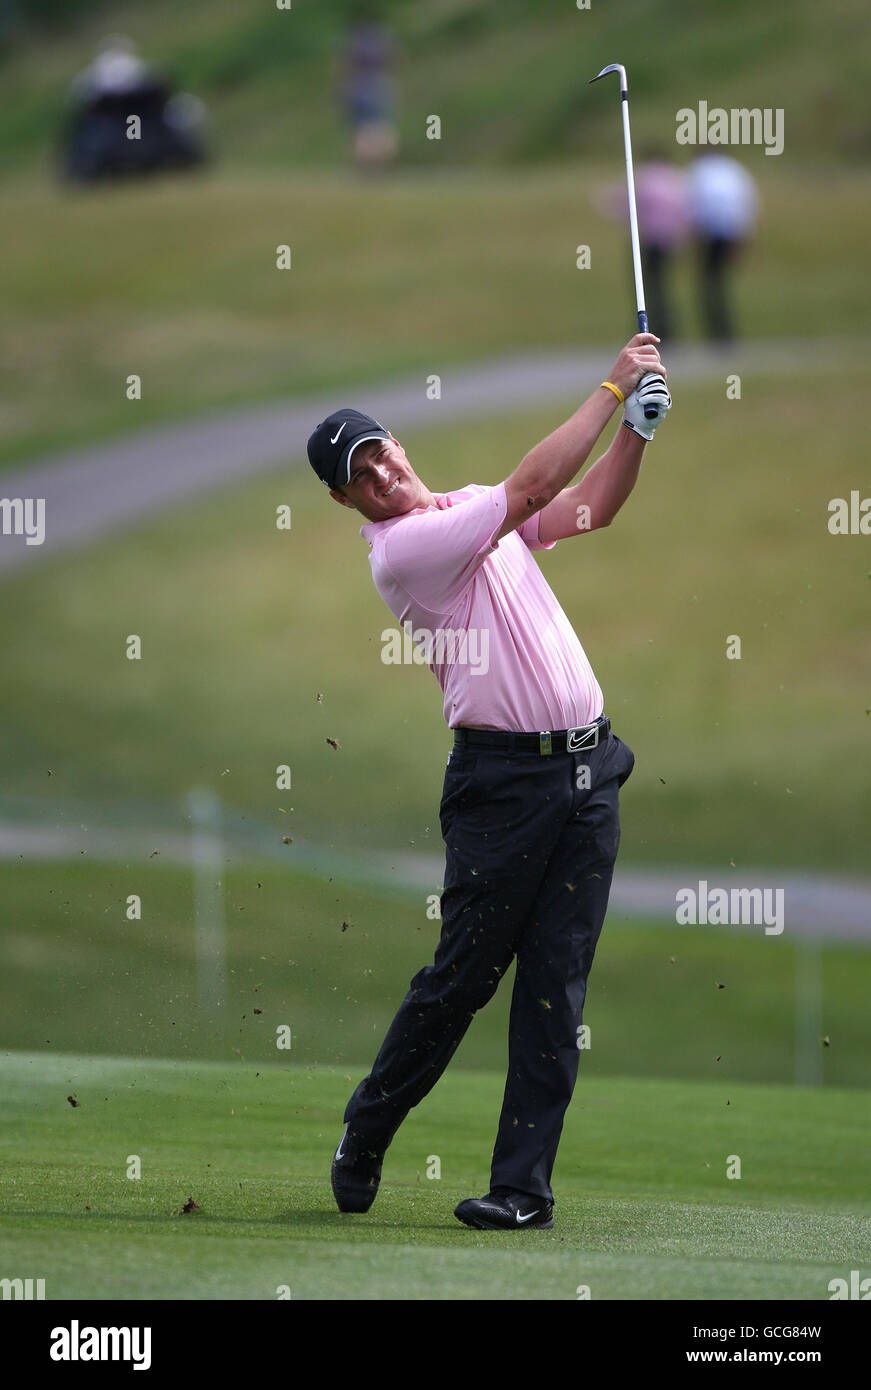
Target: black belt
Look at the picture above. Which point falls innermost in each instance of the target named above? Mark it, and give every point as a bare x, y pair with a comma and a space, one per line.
575, 740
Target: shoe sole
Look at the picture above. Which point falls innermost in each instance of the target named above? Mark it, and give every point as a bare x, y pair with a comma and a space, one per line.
478, 1224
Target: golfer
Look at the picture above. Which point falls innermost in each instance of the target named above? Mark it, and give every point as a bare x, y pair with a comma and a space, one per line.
529, 811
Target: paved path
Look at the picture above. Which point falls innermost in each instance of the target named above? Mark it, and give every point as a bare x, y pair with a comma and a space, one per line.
815, 908
103, 488
99, 490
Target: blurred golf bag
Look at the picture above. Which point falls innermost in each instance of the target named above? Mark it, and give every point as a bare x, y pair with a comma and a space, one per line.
96, 143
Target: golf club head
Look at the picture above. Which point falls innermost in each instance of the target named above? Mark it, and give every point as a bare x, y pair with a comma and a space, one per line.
612, 67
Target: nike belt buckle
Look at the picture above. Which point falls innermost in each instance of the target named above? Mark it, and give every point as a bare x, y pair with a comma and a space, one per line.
545, 743
587, 736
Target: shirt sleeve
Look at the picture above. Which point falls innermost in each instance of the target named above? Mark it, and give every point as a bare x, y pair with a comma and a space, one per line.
528, 532
436, 554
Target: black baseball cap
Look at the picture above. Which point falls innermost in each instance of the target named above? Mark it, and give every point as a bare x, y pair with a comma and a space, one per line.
331, 445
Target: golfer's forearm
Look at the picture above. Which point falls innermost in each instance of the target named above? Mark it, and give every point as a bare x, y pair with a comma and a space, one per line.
605, 487
551, 465
598, 497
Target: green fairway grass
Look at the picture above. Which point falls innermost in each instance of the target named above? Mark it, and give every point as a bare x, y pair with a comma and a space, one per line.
644, 1207
177, 283
333, 960
708, 1047
259, 645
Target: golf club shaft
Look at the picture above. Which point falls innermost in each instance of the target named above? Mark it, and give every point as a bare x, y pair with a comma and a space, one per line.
630, 187
633, 215
650, 411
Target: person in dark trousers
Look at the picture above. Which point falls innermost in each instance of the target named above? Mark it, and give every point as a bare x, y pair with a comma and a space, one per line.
663, 225
370, 92
529, 809
662, 205
723, 207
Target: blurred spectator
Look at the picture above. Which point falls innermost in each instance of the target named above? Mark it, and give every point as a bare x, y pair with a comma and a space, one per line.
723, 207
369, 93
116, 71
661, 201
663, 226
99, 140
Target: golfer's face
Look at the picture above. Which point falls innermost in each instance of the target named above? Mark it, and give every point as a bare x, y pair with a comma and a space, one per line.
382, 482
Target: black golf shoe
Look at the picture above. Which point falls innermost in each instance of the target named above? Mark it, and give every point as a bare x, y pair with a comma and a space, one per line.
355, 1175
503, 1210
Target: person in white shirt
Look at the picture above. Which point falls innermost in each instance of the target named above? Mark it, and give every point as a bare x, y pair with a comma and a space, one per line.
723, 205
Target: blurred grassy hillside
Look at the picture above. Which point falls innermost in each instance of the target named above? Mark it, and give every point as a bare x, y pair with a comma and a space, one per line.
453, 256
465, 252
177, 282
757, 760
507, 77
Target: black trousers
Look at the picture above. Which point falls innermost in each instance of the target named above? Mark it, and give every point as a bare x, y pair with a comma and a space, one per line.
656, 263
530, 850
716, 255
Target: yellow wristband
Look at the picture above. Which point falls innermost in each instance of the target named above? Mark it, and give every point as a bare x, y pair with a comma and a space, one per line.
616, 389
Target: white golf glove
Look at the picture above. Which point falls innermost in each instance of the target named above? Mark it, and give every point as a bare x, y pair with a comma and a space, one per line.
651, 394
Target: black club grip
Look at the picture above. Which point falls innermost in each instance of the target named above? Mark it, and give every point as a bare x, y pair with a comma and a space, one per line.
651, 412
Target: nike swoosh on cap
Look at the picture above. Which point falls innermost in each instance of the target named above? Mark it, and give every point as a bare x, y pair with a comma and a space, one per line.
335, 437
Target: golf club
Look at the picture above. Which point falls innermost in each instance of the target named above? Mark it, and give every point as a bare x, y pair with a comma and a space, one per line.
633, 215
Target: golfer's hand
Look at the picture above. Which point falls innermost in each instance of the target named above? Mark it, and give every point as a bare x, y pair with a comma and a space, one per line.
640, 355
647, 406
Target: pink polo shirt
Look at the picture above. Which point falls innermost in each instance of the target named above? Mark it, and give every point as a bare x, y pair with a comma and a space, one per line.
501, 648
